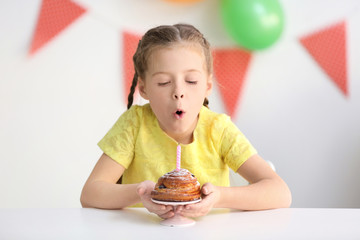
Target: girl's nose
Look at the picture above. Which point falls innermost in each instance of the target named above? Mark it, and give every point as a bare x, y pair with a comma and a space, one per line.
178, 95
178, 91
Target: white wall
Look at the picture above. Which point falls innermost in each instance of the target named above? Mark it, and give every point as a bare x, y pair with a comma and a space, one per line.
56, 105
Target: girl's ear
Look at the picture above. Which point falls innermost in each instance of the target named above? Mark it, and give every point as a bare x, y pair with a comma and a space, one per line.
209, 85
142, 90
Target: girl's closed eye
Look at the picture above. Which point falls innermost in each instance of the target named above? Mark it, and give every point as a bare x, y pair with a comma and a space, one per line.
192, 81
163, 83
192, 78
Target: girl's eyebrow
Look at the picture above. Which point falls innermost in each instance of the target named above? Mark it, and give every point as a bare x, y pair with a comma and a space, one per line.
193, 70
186, 71
158, 73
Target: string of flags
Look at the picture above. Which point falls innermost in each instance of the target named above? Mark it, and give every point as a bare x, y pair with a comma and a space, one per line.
327, 46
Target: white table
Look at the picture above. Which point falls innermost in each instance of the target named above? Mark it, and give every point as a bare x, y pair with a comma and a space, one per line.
137, 223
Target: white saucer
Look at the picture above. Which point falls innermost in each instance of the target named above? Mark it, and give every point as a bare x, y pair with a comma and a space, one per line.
175, 203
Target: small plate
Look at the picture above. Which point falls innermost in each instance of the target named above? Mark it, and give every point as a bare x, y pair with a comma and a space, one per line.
175, 203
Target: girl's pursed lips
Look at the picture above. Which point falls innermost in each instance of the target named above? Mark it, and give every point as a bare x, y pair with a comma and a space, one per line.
179, 114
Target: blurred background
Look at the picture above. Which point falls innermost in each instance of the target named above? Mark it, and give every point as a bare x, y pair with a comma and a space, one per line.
64, 72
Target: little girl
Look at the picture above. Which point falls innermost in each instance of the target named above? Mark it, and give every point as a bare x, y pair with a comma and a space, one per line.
173, 71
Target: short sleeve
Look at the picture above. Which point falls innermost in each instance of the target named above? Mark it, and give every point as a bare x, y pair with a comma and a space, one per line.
235, 147
119, 141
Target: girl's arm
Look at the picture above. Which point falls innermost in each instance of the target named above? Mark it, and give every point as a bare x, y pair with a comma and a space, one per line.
101, 190
266, 190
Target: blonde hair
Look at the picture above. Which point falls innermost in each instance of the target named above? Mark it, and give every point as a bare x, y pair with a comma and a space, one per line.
164, 36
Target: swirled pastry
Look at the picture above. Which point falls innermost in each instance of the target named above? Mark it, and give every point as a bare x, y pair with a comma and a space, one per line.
177, 186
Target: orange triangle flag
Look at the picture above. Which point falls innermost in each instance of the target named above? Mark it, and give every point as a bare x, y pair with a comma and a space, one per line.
130, 43
328, 48
230, 67
54, 17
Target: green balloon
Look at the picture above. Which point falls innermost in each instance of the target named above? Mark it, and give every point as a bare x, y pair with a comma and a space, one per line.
253, 24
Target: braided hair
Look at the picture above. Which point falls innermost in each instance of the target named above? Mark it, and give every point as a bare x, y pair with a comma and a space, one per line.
163, 36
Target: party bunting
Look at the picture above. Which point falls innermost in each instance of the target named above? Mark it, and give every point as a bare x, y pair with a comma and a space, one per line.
130, 43
230, 67
328, 48
54, 17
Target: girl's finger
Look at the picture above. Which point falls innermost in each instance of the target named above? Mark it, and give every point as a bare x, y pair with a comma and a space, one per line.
167, 215
158, 207
179, 209
140, 191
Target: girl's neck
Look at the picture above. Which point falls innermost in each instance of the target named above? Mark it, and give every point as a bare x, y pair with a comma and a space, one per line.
184, 139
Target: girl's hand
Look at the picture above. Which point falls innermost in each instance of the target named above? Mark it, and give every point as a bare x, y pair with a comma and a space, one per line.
144, 191
210, 196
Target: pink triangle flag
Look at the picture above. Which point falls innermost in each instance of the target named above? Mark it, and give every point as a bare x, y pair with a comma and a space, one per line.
328, 48
230, 68
130, 43
54, 17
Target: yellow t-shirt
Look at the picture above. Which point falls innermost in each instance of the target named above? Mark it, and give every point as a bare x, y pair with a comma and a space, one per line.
137, 142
